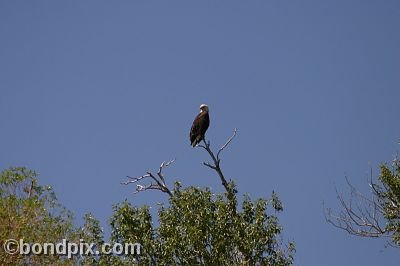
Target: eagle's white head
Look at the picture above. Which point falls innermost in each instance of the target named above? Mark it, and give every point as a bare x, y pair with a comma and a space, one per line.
203, 108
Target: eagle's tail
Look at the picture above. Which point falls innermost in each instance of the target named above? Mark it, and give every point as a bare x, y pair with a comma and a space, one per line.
197, 141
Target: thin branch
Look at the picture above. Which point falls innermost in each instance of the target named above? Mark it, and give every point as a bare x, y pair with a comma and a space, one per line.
158, 179
227, 143
210, 165
163, 164
361, 219
134, 179
214, 166
216, 160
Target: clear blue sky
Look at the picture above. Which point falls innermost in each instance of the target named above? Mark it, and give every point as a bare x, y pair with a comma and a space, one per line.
92, 91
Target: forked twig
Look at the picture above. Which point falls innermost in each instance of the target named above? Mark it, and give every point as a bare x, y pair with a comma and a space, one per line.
226, 143
216, 159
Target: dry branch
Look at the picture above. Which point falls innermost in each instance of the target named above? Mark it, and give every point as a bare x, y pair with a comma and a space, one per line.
216, 159
361, 219
158, 179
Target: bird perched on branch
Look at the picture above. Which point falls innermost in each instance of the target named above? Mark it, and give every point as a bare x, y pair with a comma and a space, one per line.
200, 126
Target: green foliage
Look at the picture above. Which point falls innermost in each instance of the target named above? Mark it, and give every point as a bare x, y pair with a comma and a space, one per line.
200, 228
31, 212
133, 225
91, 232
196, 227
389, 199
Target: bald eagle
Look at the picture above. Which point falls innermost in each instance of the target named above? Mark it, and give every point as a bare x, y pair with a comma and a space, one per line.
200, 126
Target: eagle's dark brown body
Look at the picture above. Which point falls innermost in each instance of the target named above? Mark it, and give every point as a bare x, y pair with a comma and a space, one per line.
200, 126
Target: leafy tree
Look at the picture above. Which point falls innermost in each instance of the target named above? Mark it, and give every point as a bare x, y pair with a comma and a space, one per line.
198, 227
375, 216
31, 212
91, 232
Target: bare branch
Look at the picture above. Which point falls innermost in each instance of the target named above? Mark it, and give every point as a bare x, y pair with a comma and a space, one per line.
209, 165
227, 143
158, 179
163, 164
216, 161
140, 188
361, 219
216, 166
134, 179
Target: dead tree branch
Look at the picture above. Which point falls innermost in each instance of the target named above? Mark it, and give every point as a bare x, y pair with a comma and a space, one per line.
157, 183
359, 215
216, 159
